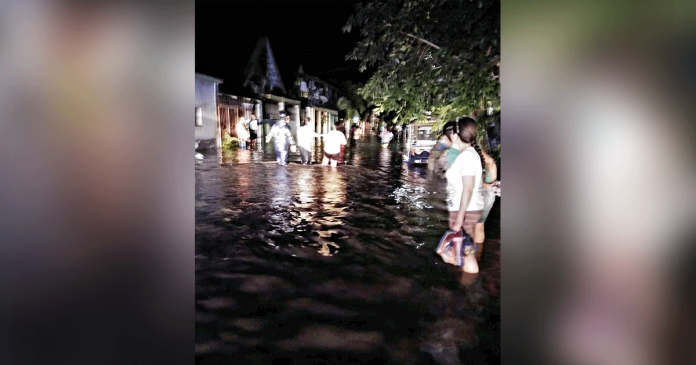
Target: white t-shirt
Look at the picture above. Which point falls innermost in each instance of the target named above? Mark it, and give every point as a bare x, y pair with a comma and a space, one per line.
242, 133
468, 163
333, 141
305, 137
254, 124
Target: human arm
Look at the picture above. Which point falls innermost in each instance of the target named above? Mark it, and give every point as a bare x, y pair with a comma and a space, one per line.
465, 167
270, 134
288, 135
490, 166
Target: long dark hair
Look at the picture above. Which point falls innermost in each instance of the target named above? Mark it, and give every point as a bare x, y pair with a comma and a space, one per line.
340, 126
466, 129
448, 129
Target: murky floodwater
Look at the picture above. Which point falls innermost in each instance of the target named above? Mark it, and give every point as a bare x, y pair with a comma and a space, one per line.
318, 265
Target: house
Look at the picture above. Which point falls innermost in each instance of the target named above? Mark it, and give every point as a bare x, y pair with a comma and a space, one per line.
262, 80
206, 120
319, 101
262, 92
232, 107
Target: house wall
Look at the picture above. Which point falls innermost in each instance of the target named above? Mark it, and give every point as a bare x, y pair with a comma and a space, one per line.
294, 111
270, 115
271, 110
206, 99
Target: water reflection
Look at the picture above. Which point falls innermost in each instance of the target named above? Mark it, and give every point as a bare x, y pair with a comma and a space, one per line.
384, 156
304, 184
334, 191
280, 188
278, 210
244, 156
244, 185
333, 207
284, 252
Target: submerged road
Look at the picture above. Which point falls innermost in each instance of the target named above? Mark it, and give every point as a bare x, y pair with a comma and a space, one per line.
318, 265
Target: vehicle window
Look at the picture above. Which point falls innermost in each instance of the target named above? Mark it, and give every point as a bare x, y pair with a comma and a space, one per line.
426, 134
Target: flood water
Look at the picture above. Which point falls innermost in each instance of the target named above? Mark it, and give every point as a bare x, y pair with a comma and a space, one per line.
318, 265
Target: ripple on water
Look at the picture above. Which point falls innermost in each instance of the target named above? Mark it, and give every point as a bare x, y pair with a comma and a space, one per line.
315, 307
333, 338
301, 260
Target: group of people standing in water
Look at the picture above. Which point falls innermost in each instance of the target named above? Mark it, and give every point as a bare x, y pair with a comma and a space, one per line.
472, 186
247, 132
471, 173
334, 141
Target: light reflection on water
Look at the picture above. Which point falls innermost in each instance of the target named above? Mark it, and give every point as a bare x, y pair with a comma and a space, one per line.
285, 252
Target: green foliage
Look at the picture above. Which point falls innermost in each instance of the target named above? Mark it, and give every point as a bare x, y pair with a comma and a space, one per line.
228, 142
483, 123
430, 55
351, 102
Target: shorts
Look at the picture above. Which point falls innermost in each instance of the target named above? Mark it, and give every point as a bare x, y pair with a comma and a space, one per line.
332, 156
252, 134
470, 220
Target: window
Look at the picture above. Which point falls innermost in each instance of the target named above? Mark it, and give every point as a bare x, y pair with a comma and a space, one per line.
427, 134
199, 116
304, 91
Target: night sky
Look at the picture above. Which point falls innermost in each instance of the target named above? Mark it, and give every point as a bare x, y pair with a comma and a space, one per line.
300, 32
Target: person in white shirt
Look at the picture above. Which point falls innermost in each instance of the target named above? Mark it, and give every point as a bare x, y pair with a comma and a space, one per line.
242, 132
332, 145
282, 138
386, 137
305, 140
253, 131
464, 178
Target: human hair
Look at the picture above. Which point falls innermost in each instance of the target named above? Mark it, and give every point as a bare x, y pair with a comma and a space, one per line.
448, 129
304, 121
466, 129
340, 126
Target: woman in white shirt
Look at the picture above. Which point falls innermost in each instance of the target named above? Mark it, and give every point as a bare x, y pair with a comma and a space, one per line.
253, 131
464, 199
305, 139
332, 145
242, 132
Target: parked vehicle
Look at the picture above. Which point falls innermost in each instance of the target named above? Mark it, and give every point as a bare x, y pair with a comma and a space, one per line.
420, 139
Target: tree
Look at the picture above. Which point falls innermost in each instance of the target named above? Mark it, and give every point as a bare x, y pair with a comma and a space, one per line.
351, 102
440, 56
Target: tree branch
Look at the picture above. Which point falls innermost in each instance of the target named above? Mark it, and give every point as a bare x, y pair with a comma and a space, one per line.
420, 39
417, 38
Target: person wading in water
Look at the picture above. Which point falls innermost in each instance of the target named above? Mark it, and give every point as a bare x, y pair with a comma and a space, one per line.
464, 178
282, 138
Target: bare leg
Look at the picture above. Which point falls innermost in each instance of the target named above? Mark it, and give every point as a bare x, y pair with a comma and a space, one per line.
479, 233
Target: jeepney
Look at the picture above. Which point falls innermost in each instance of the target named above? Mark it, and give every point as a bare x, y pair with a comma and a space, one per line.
420, 139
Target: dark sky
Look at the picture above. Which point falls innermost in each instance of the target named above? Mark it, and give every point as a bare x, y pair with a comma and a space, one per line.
300, 32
